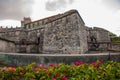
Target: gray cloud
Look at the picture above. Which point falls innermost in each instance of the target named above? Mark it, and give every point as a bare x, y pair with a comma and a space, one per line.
70, 1
113, 4
15, 9
53, 5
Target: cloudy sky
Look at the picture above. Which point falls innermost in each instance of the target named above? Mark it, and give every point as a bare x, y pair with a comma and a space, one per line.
98, 13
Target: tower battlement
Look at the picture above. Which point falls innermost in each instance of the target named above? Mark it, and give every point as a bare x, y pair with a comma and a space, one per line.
6, 28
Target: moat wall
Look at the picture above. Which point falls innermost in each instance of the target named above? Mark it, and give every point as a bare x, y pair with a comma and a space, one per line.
46, 59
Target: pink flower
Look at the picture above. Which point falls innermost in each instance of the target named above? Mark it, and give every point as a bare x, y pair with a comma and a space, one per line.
78, 63
81, 63
41, 66
64, 78
4, 68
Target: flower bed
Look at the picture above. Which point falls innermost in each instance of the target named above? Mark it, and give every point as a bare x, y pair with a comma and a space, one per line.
78, 71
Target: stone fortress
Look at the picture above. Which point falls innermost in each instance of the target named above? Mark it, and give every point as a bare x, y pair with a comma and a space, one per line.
59, 34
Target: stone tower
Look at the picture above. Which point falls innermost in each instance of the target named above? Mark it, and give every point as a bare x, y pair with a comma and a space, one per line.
25, 21
65, 34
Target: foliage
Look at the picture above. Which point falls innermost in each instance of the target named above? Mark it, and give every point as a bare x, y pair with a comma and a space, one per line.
78, 71
112, 35
114, 38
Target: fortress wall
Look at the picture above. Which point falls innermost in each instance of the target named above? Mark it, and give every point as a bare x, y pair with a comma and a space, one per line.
32, 36
7, 46
62, 33
65, 35
2, 34
82, 34
100, 35
13, 34
35, 37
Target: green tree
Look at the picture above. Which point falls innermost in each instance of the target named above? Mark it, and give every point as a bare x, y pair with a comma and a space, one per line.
114, 37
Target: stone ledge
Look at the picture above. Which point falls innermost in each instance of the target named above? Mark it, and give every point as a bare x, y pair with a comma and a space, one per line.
36, 54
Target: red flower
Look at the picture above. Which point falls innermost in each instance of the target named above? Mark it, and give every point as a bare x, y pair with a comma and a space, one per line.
93, 63
53, 64
12, 68
64, 78
57, 75
78, 63
97, 64
100, 62
104, 70
96, 68
49, 73
35, 67
46, 69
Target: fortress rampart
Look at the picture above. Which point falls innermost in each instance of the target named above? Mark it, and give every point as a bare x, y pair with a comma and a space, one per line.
59, 34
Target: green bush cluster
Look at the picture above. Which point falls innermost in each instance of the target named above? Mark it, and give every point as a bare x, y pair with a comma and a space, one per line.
78, 71
114, 38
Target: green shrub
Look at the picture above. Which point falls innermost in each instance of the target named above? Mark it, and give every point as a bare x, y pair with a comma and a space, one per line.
78, 71
114, 38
